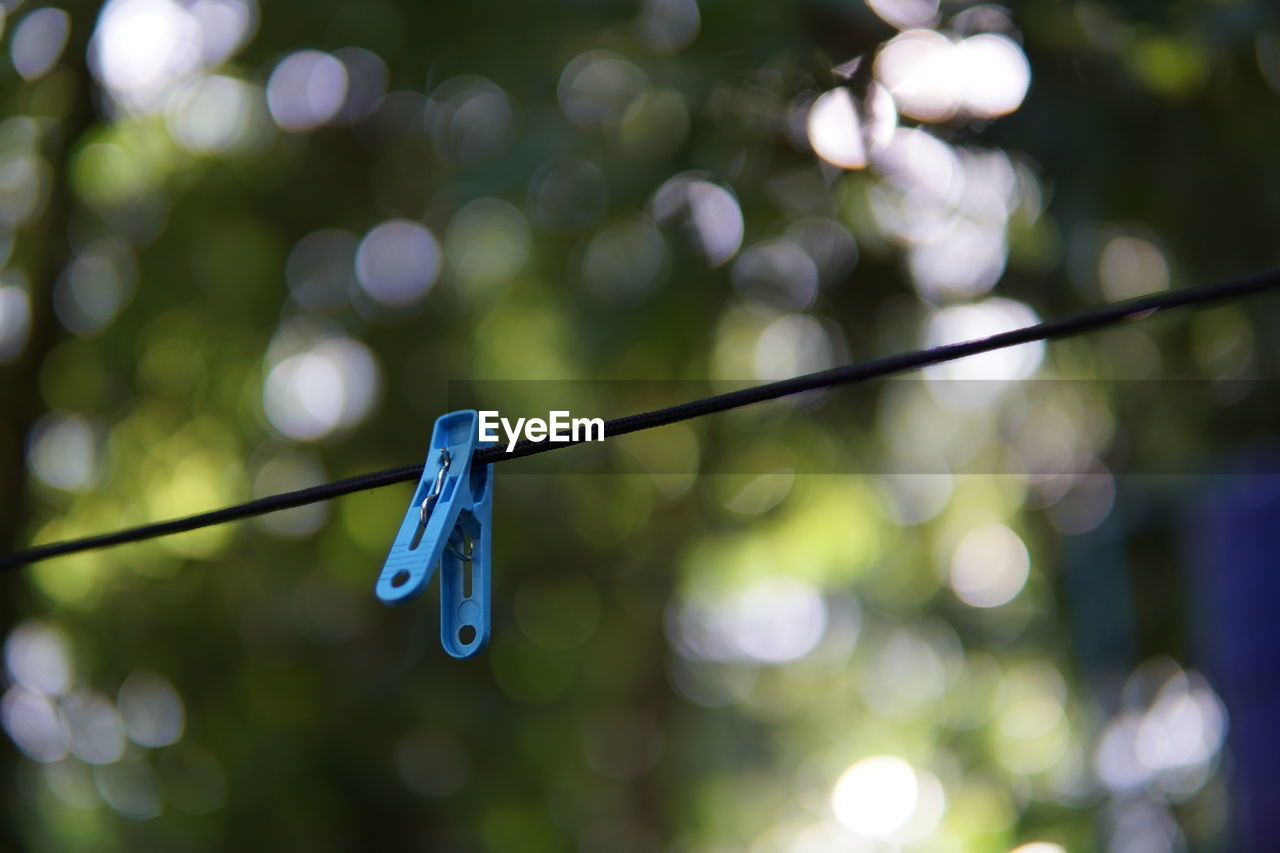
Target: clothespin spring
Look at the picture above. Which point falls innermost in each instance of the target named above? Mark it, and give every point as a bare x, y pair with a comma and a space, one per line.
425, 510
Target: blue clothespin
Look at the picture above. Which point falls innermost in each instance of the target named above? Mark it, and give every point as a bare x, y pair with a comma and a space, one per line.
448, 524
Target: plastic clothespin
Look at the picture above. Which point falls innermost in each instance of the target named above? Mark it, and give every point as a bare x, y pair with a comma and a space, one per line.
448, 524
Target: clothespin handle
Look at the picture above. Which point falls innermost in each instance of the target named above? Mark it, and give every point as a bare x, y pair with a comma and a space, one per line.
447, 524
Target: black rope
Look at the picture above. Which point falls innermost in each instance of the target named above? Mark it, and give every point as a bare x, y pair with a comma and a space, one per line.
1098, 318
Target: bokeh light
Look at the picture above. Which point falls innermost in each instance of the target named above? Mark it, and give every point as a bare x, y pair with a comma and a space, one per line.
568, 194
911, 497
773, 620
1131, 266
967, 259
38, 40
215, 114
996, 74
487, 241
905, 674
906, 13
93, 728
933, 77
367, 77
876, 796
707, 210
38, 656
958, 323
776, 273
919, 69
794, 344
306, 89
331, 383
470, 118
94, 288
844, 132
62, 451
397, 262
24, 187
625, 259
1087, 502
669, 25
143, 49
597, 86
828, 244
989, 566
1165, 741
130, 788
31, 720
151, 710
653, 125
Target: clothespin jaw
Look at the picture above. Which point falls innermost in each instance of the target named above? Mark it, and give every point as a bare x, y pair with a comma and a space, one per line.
448, 524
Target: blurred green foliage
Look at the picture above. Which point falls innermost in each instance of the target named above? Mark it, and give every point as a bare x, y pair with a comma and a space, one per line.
248, 249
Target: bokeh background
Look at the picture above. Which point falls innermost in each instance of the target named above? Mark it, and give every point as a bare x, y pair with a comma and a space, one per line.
1018, 602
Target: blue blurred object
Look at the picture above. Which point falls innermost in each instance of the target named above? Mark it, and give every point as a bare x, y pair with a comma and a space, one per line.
1236, 575
448, 523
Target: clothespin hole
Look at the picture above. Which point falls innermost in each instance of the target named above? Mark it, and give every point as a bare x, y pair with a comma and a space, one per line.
478, 483
399, 579
466, 635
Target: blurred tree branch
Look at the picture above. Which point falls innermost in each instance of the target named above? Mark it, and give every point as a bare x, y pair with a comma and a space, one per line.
44, 249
